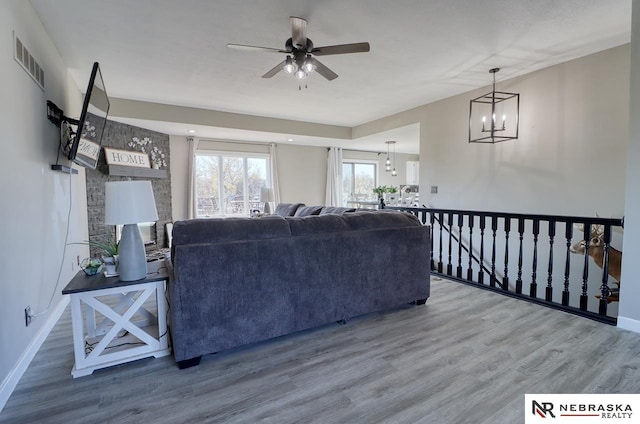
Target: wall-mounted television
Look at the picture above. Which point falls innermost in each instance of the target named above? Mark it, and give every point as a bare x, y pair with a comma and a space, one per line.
85, 147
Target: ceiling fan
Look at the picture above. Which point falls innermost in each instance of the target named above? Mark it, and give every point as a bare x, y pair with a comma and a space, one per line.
300, 51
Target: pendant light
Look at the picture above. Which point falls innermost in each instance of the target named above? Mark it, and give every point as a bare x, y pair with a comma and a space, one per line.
387, 163
491, 107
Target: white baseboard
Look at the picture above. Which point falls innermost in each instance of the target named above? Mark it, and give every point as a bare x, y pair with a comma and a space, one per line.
11, 381
629, 324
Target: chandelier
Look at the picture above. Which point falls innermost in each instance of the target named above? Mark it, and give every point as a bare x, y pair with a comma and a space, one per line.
493, 117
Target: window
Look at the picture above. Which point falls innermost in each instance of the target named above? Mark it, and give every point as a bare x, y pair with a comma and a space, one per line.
229, 184
358, 180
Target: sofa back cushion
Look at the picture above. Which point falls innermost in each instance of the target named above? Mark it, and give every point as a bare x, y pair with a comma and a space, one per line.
335, 210
220, 230
308, 210
287, 209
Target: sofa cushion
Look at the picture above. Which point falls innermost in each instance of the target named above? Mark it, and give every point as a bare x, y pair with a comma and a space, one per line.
308, 210
287, 209
335, 210
315, 224
363, 220
219, 230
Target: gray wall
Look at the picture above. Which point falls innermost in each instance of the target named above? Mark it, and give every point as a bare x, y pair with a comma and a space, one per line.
118, 136
39, 206
630, 293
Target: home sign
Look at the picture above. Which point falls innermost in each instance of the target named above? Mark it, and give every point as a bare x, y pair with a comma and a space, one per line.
126, 158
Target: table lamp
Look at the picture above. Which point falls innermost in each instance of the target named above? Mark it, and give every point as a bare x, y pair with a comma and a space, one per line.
266, 196
128, 203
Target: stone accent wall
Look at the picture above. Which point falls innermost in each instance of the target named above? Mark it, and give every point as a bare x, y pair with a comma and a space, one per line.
118, 136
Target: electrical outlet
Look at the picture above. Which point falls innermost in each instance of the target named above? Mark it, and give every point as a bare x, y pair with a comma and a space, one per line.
27, 316
434, 189
78, 260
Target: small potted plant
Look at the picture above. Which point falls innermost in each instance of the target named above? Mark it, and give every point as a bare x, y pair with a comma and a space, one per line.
91, 266
110, 257
380, 191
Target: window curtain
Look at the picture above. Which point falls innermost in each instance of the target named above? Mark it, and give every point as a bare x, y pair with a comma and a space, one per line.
273, 164
334, 177
192, 207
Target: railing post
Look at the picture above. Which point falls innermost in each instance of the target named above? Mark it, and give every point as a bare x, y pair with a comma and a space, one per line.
494, 227
481, 270
584, 299
568, 233
521, 235
604, 289
533, 289
549, 292
507, 228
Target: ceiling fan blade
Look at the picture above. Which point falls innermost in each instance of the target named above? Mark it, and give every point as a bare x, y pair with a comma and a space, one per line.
255, 48
274, 70
324, 71
341, 49
299, 32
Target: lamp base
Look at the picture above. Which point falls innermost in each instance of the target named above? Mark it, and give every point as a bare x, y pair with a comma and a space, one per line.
133, 260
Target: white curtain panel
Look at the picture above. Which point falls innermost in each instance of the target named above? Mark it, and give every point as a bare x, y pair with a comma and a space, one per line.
273, 164
334, 177
192, 206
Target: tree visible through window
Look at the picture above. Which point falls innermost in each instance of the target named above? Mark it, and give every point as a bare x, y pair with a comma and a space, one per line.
229, 184
358, 180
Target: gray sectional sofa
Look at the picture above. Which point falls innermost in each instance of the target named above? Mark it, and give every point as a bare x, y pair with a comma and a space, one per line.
235, 281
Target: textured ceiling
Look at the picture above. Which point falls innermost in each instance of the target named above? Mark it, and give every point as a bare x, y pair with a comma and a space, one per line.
175, 52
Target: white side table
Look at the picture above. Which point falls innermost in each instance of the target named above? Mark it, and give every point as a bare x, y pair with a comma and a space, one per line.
125, 330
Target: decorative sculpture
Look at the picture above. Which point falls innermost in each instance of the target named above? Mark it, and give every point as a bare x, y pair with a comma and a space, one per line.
597, 253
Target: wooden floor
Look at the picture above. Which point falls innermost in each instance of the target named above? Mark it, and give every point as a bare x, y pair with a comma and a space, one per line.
467, 356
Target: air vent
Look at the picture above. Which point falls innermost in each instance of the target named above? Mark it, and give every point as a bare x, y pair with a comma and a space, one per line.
28, 63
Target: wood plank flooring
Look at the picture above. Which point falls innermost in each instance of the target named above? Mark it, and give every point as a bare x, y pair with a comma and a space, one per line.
467, 356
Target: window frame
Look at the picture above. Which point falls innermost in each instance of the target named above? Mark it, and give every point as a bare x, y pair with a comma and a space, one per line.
221, 154
353, 162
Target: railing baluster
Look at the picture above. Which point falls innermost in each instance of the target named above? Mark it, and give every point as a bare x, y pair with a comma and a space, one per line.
460, 224
470, 269
533, 289
519, 280
494, 227
505, 278
604, 289
432, 218
449, 265
440, 220
568, 233
549, 292
481, 271
584, 299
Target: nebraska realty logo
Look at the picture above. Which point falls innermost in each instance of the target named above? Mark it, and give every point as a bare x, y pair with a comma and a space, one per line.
585, 408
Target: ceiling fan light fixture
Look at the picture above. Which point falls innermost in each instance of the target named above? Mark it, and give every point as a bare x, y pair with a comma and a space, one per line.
308, 64
300, 74
289, 66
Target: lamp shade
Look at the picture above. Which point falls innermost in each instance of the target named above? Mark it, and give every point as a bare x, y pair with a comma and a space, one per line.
129, 202
266, 194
